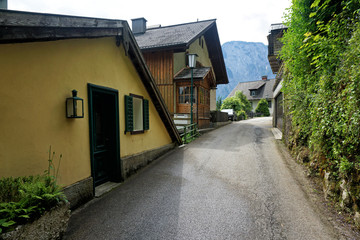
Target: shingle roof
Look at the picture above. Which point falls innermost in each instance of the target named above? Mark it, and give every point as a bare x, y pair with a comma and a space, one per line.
182, 34
265, 89
198, 73
257, 85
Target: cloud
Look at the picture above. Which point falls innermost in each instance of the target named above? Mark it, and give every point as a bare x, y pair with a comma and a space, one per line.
236, 19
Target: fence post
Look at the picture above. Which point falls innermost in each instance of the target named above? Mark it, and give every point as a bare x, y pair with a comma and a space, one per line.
185, 134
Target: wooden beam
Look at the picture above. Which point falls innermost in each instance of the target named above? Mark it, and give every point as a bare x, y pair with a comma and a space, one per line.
26, 34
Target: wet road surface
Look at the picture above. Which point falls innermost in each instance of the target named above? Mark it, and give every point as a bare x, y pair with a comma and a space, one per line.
231, 183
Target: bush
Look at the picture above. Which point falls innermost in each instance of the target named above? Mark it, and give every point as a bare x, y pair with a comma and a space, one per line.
263, 108
237, 102
321, 55
241, 115
24, 199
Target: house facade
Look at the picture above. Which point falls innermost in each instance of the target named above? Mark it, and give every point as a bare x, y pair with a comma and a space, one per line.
257, 90
125, 123
274, 47
165, 50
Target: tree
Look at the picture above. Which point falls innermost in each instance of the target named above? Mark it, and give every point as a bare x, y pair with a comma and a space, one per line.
263, 108
218, 103
247, 106
238, 103
233, 103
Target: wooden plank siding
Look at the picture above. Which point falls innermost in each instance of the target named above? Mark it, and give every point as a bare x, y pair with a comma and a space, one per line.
161, 65
201, 112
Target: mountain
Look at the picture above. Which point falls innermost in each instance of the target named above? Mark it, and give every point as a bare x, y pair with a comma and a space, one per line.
244, 61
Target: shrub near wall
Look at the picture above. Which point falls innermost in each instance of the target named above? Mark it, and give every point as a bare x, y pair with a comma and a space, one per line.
321, 54
263, 108
33, 207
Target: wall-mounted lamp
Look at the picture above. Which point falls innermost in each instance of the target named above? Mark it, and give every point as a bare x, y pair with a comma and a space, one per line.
74, 106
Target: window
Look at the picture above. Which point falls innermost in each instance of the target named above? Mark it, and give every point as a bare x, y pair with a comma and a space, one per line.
204, 96
253, 92
201, 96
136, 114
269, 102
184, 94
201, 42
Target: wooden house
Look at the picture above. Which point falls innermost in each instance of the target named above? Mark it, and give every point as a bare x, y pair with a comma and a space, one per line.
116, 123
257, 90
274, 38
165, 50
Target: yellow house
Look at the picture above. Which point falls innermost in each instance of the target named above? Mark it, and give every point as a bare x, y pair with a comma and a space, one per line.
125, 122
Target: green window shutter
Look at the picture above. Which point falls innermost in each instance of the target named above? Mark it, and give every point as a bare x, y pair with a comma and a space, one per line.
146, 114
129, 119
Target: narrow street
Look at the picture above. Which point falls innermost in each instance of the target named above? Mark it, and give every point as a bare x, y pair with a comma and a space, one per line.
231, 183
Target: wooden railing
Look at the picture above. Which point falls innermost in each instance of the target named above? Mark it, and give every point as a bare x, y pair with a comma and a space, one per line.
190, 133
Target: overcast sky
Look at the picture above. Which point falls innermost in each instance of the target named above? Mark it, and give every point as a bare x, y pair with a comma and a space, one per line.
237, 20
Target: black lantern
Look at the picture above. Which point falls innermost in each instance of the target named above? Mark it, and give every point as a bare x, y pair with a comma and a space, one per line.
74, 106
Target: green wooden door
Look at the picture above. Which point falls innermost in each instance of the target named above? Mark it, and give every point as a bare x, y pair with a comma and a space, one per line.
104, 134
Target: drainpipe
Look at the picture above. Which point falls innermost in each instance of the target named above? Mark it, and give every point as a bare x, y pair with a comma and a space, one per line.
3, 4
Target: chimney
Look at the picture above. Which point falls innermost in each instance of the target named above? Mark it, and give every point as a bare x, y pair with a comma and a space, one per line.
3, 4
264, 78
138, 25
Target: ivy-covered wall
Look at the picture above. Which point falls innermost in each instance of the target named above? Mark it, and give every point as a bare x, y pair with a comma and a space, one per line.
321, 56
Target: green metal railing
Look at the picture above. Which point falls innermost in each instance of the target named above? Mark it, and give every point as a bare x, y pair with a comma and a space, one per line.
190, 133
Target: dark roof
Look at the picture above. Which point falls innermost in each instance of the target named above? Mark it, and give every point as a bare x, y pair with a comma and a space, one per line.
16, 26
179, 37
257, 85
198, 73
176, 35
264, 88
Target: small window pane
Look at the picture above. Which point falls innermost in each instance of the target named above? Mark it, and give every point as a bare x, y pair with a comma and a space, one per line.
187, 90
138, 114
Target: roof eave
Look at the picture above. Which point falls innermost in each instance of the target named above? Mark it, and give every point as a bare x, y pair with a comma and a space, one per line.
216, 55
178, 47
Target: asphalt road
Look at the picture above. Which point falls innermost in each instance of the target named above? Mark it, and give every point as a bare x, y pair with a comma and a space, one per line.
231, 183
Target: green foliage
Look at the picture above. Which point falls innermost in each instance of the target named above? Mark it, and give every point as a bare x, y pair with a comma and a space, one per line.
246, 104
263, 108
241, 115
218, 103
27, 198
238, 103
232, 103
190, 133
321, 54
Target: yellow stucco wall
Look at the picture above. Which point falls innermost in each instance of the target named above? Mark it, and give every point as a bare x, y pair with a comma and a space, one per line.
36, 78
201, 51
179, 61
195, 47
203, 58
